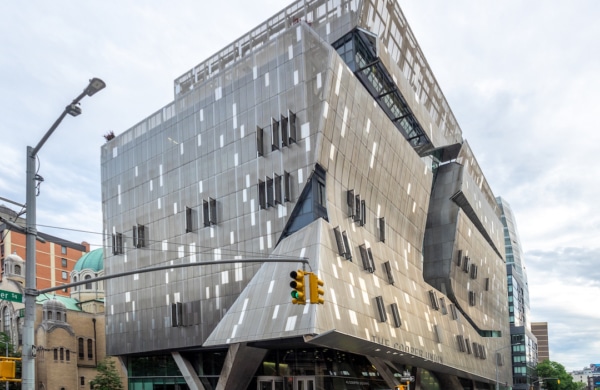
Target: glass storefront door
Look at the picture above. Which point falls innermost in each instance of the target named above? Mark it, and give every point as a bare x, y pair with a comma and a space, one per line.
270, 383
304, 383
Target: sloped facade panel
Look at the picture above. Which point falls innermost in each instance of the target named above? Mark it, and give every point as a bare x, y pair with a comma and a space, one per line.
278, 149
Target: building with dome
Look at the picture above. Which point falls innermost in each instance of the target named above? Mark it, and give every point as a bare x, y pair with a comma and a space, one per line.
69, 330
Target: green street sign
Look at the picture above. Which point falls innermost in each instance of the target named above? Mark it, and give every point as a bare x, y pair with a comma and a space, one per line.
11, 296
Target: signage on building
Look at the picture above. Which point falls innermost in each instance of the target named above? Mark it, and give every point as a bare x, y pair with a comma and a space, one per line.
11, 296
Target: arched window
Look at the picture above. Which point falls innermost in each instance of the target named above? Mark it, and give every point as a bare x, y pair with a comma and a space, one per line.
55, 354
80, 347
49, 315
75, 281
62, 354
88, 286
6, 320
90, 351
58, 316
17, 270
68, 355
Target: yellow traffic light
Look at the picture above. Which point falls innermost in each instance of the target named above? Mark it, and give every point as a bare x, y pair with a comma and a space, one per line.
298, 292
316, 292
7, 369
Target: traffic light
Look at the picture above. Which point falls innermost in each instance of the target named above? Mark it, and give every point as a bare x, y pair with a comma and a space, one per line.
7, 369
316, 292
298, 292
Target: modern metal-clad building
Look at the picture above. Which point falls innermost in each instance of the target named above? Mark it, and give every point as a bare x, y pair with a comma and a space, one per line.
321, 137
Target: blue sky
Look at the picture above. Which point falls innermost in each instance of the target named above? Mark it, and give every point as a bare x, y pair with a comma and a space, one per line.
521, 78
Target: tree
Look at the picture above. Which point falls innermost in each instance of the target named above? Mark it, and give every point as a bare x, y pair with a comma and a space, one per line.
558, 377
108, 377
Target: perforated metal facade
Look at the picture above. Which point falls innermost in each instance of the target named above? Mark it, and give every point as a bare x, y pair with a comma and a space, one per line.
275, 147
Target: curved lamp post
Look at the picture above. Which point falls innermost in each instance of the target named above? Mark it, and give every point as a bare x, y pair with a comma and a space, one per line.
28, 354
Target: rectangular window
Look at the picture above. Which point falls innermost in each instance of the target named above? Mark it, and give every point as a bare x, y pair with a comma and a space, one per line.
382, 229
292, 126
350, 203
459, 258
365, 257
472, 298
209, 212
466, 264
285, 138
270, 192
434, 301
80, 347
357, 217
487, 284
259, 142
63, 262
443, 307
388, 271
190, 219
499, 359
139, 236
468, 345
176, 314
396, 315
461, 343
347, 245
117, 243
473, 271
287, 187
213, 211
205, 213
63, 250
437, 333
82, 381
371, 260
339, 241
381, 309
55, 353
262, 195
278, 197
275, 134
65, 275
90, 350
363, 213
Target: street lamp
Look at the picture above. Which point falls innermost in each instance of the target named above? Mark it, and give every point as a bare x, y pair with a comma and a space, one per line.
28, 354
496, 357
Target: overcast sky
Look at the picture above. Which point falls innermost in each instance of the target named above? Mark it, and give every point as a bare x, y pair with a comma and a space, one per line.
522, 79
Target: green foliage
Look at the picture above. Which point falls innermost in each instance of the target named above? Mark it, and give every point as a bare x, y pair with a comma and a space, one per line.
108, 377
549, 369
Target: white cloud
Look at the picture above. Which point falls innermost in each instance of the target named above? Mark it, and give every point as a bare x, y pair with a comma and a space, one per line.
521, 78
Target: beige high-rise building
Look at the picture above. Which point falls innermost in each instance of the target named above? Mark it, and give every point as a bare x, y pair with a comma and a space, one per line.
540, 330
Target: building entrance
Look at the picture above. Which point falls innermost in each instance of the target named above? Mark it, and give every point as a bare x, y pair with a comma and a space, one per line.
304, 383
281, 383
270, 383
